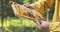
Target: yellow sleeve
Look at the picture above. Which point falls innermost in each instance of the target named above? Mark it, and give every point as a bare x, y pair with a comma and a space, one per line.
54, 26
42, 5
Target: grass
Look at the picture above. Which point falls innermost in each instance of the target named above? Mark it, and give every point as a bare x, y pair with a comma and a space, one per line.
19, 25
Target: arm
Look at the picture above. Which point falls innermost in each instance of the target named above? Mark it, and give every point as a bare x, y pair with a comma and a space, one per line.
41, 5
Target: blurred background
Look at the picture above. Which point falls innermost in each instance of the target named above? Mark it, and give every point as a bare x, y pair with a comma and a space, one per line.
10, 23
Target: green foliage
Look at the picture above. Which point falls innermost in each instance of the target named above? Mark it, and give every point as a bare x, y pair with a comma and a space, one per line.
19, 25
26, 1
29, 1
34, 0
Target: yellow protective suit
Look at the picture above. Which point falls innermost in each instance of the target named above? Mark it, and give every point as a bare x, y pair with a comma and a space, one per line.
43, 5
55, 25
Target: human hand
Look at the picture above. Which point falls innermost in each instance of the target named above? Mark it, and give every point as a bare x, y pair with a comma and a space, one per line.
43, 25
28, 6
